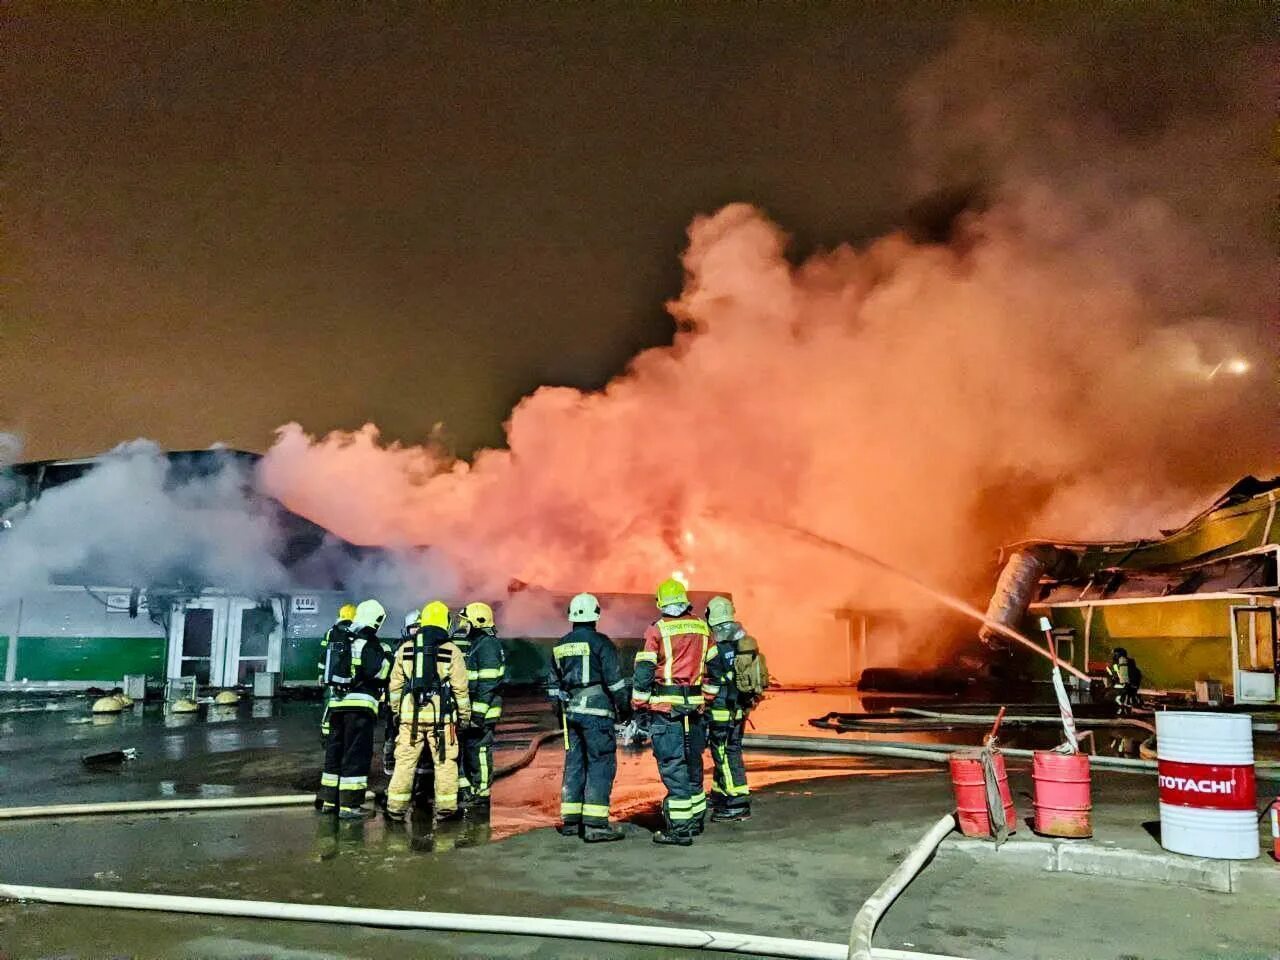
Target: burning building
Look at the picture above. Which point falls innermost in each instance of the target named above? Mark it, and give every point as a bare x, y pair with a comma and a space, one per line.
174, 565
1198, 604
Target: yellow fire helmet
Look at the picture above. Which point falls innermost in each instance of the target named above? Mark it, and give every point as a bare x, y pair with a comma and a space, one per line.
347, 611
719, 610
369, 613
671, 592
435, 614
478, 614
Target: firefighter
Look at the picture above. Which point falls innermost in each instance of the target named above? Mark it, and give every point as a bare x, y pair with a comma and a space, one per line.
1124, 677
343, 627
589, 692
486, 668
355, 671
672, 683
742, 685
408, 630
428, 694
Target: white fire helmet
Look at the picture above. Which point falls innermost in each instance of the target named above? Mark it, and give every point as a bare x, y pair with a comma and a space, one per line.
584, 608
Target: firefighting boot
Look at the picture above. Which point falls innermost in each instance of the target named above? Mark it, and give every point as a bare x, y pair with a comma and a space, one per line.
731, 815
672, 838
569, 830
601, 834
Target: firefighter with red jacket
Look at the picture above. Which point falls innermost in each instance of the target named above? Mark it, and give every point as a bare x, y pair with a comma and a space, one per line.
676, 674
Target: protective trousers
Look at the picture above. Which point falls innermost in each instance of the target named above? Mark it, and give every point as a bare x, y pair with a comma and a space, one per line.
477, 760
678, 743
590, 765
441, 741
348, 752
729, 790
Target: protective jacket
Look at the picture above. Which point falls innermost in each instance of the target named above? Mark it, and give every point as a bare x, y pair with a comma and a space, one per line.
371, 667
678, 671
445, 667
585, 676
342, 627
486, 670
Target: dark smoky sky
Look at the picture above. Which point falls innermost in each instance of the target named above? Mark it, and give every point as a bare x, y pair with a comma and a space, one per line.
221, 217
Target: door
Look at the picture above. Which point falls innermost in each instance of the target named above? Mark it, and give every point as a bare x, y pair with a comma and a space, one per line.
255, 632
197, 640
1254, 654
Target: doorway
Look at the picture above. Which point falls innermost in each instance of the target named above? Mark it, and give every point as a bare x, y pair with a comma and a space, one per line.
224, 641
1255, 650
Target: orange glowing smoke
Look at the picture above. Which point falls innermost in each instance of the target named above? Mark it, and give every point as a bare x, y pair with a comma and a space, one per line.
1040, 374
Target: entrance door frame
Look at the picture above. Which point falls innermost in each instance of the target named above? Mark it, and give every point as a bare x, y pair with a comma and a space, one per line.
236, 606
217, 643
1254, 610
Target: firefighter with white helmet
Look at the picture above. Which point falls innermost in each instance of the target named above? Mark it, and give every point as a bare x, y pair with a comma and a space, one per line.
590, 693
429, 696
745, 677
356, 668
486, 671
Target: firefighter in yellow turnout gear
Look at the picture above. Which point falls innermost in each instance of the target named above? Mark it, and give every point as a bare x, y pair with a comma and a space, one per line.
429, 696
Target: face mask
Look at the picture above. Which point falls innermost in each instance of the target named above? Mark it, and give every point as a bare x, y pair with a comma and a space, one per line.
674, 609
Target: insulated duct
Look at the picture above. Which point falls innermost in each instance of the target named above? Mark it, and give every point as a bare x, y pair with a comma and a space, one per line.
1016, 586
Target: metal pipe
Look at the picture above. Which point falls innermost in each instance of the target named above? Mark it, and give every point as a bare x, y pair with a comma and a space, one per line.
938, 752
677, 937
1030, 718
864, 922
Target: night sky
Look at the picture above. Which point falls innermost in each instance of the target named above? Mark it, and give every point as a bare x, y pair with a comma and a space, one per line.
218, 218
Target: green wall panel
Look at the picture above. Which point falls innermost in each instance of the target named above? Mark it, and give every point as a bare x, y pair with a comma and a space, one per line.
298, 659
4, 654
89, 658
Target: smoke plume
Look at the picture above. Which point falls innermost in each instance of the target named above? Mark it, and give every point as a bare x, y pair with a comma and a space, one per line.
1085, 356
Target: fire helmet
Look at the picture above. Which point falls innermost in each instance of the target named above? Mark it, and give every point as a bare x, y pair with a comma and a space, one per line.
369, 614
410, 624
584, 608
435, 614
672, 592
719, 610
479, 615
347, 611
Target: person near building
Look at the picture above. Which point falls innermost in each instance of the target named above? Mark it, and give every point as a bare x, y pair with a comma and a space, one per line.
408, 630
355, 672
674, 679
429, 696
741, 688
1124, 677
486, 669
341, 629
589, 693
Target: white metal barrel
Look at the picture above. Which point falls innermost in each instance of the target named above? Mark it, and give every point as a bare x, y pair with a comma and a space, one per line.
1208, 795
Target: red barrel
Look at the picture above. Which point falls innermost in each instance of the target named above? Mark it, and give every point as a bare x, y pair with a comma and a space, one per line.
1063, 800
971, 792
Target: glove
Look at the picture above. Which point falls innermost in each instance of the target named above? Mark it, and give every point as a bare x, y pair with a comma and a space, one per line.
389, 755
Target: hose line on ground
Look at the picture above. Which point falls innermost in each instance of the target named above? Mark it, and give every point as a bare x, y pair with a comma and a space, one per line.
670, 937
866, 919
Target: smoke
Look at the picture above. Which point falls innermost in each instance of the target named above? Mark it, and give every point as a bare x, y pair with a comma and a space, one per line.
1056, 368
130, 518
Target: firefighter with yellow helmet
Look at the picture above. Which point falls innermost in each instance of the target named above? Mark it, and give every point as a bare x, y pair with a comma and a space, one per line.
477, 638
355, 671
341, 629
429, 696
676, 675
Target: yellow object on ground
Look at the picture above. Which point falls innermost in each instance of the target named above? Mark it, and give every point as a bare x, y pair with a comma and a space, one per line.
109, 704
226, 698
184, 705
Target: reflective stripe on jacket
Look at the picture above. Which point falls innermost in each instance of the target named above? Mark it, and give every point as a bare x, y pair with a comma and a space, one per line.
371, 667
486, 670
671, 672
585, 675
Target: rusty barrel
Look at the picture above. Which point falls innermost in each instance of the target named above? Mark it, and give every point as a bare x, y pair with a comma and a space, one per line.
971, 792
1063, 798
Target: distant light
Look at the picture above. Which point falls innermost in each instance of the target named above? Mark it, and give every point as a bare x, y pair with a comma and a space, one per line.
679, 575
688, 536
1238, 366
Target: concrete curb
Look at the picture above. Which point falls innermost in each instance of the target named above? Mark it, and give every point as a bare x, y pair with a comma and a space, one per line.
1093, 859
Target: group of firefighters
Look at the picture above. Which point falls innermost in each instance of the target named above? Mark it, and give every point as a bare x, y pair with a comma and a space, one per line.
695, 681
